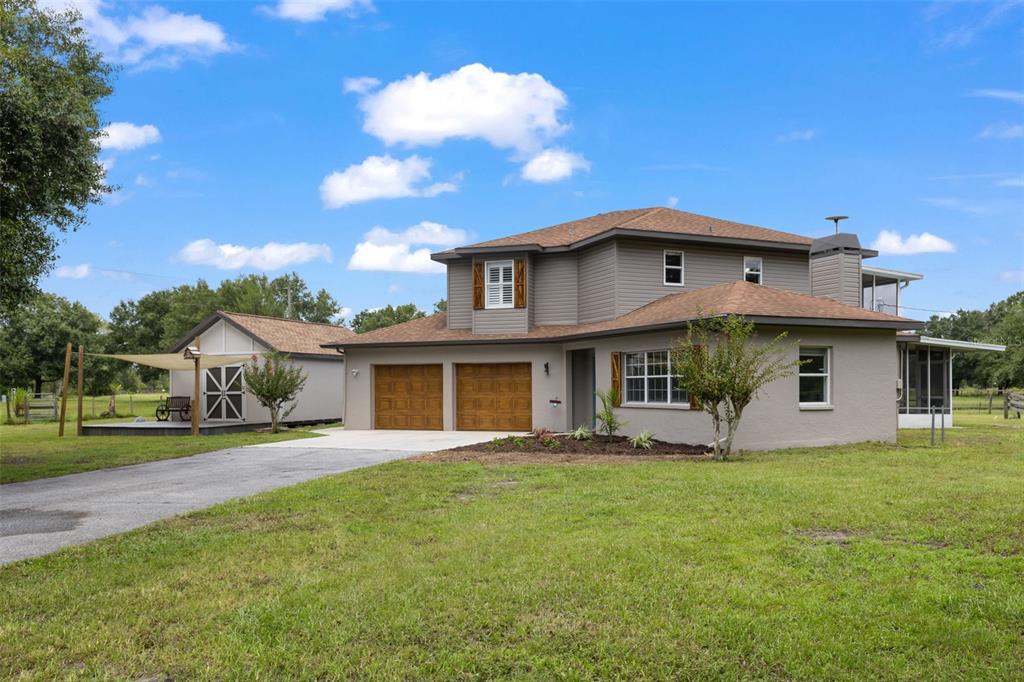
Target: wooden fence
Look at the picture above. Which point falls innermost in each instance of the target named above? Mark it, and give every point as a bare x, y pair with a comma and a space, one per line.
1013, 403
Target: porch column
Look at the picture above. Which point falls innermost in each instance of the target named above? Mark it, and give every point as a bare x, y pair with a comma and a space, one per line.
196, 402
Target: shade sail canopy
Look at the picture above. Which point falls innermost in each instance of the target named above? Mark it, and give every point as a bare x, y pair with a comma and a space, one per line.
176, 361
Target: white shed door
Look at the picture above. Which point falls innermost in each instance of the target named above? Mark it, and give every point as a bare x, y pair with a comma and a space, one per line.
224, 394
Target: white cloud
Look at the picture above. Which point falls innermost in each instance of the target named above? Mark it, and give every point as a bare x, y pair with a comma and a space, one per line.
552, 165
1011, 182
1012, 276
108, 163
142, 181
270, 256
510, 111
382, 177
156, 37
73, 271
797, 136
360, 84
1015, 96
961, 205
394, 288
384, 250
344, 312
316, 10
125, 136
1003, 131
672, 202
890, 242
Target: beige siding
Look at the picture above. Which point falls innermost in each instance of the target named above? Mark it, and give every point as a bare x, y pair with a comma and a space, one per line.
640, 270
502, 320
838, 276
555, 289
597, 272
460, 295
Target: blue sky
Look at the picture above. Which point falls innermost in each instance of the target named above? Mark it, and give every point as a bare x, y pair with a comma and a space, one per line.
300, 125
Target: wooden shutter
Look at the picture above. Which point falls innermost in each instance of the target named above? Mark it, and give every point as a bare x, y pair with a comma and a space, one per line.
478, 286
520, 283
617, 378
695, 403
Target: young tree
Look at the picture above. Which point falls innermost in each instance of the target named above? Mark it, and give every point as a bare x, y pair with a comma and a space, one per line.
723, 369
274, 383
51, 82
368, 320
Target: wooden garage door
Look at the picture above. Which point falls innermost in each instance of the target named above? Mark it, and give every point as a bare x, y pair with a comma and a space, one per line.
494, 397
408, 397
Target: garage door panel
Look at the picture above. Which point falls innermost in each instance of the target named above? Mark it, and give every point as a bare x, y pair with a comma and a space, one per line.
408, 397
494, 397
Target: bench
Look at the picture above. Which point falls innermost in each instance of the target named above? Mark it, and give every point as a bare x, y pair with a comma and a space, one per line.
181, 404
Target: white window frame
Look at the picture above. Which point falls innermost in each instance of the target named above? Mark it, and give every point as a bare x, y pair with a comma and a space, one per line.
827, 375
645, 376
665, 268
760, 269
499, 285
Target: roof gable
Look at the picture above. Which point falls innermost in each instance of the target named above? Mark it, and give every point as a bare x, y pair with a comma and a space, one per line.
293, 337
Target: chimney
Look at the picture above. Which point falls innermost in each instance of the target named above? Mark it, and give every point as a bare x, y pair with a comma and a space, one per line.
836, 267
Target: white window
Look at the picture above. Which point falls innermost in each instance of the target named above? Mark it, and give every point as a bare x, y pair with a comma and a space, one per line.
649, 379
499, 284
752, 269
815, 376
674, 268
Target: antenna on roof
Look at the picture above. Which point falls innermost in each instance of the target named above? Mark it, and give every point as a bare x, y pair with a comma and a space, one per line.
835, 219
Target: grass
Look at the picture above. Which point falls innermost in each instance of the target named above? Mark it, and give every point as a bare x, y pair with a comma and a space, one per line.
864, 561
31, 451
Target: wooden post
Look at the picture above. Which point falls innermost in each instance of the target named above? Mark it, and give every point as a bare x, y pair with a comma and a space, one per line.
1006, 405
196, 402
64, 388
81, 384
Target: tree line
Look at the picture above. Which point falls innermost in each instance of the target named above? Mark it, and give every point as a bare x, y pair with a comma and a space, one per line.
1002, 323
35, 332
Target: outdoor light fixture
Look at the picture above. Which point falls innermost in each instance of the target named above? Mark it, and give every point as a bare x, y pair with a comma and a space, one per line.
192, 353
355, 372
547, 370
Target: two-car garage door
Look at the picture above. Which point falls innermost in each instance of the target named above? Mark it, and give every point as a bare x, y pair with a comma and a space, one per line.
488, 397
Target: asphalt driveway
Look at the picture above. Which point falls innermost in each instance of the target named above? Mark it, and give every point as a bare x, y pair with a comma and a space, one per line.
39, 517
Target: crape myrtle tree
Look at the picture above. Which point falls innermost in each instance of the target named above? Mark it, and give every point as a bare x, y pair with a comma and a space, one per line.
723, 368
274, 383
51, 82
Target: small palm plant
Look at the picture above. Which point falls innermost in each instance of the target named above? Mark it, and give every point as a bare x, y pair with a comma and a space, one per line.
582, 432
610, 422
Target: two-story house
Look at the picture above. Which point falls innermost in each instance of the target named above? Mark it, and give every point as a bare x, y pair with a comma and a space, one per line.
539, 321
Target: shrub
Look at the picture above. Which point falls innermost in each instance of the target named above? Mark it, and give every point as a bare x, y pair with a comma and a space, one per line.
582, 432
274, 383
542, 434
643, 440
610, 422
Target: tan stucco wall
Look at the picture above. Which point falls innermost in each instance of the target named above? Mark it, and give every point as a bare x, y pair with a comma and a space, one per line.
323, 396
546, 387
864, 375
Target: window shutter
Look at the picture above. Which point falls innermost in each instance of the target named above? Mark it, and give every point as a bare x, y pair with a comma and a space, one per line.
617, 378
695, 403
478, 286
520, 293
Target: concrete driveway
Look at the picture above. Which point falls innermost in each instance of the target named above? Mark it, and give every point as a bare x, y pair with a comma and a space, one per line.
39, 517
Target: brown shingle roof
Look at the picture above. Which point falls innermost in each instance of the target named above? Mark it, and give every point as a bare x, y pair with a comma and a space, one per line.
760, 303
660, 219
290, 336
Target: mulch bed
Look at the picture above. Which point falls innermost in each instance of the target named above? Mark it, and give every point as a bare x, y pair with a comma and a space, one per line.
563, 449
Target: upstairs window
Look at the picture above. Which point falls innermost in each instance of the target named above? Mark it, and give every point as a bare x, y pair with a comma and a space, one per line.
815, 376
500, 286
752, 269
674, 268
649, 380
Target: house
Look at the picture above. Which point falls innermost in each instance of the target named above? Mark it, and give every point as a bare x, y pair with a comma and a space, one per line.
538, 321
223, 395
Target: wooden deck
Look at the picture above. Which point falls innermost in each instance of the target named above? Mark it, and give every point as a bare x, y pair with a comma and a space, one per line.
168, 428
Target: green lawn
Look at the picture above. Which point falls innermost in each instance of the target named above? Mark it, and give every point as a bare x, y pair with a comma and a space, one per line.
870, 561
30, 451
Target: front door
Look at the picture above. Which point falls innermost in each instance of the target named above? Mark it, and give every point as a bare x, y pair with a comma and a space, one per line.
224, 394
